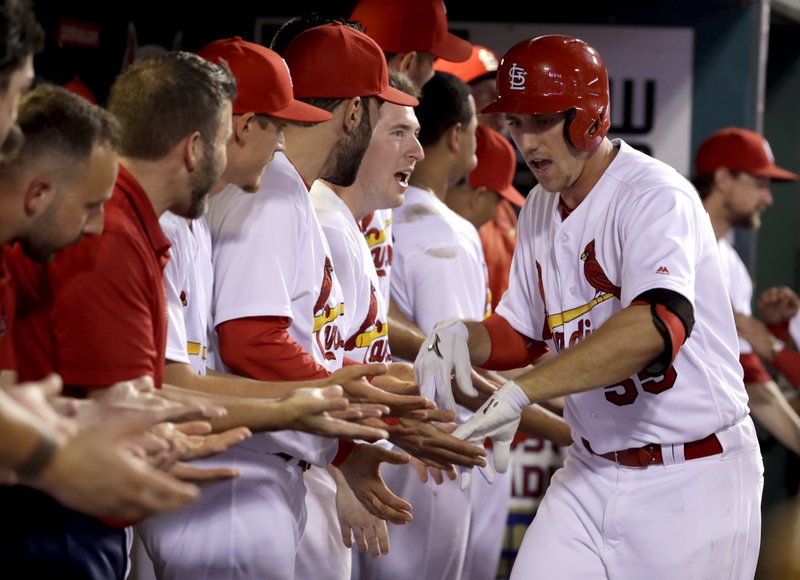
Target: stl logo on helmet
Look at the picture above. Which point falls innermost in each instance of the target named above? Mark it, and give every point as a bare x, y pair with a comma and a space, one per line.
516, 78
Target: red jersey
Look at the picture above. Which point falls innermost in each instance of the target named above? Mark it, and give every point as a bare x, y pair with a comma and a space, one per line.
96, 314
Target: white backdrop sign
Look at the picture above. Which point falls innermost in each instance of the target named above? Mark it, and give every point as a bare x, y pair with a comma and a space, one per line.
650, 70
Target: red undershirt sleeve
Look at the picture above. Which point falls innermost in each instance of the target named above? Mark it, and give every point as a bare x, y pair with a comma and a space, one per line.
787, 361
262, 348
780, 331
754, 371
510, 349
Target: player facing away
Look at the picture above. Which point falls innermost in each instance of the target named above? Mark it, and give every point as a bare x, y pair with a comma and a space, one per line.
616, 270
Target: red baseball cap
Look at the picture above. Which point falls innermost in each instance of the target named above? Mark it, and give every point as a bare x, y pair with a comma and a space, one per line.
75, 85
411, 25
740, 150
335, 61
264, 85
496, 165
481, 63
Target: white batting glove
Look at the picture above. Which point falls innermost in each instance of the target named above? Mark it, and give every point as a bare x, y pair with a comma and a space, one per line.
497, 419
444, 350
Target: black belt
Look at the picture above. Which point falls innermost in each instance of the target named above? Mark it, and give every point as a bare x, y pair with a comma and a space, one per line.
302, 463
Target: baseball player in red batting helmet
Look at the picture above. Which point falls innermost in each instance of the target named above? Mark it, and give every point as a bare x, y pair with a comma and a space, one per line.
617, 270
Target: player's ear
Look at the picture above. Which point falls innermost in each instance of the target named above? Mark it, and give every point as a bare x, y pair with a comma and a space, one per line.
403, 61
38, 196
723, 179
192, 150
453, 136
354, 108
476, 195
242, 125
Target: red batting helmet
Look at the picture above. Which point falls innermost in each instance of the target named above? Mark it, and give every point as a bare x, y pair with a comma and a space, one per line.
553, 74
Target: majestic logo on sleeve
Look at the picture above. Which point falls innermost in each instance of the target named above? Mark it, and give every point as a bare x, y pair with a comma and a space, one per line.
371, 335
325, 317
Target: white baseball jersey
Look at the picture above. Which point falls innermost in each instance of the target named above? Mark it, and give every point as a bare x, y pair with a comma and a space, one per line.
377, 230
439, 269
366, 314
271, 259
438, 272
642, 227
189, 281
739, 283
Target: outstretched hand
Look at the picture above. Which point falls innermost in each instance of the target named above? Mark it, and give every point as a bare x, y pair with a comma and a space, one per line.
435, 446
357, 525
326, 412
358, 390
362, 471
98, 472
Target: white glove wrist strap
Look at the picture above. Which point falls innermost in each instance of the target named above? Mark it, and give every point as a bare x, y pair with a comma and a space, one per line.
512, 394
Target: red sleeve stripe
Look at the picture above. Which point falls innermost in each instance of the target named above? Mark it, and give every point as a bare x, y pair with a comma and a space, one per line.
510, 349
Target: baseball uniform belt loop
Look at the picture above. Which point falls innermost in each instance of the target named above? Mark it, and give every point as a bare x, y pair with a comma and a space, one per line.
303, 464
651, 454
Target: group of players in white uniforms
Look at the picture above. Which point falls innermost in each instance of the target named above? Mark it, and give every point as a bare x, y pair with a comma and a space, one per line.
617, 270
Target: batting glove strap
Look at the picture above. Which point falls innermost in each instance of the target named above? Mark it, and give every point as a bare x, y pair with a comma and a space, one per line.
513, 394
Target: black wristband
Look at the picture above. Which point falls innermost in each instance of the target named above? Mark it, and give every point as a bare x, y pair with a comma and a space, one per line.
41, 456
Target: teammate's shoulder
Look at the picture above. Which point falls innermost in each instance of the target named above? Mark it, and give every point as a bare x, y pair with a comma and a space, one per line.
174, 226
418, 209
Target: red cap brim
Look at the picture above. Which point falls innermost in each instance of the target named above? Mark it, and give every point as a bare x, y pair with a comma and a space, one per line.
513, 195
398, 97
300, 111
776, 173
453, 48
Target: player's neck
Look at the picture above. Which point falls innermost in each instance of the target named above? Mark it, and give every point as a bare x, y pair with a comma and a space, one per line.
353, 198
308, 149
424, 178
716, 214
153, 178
596, 164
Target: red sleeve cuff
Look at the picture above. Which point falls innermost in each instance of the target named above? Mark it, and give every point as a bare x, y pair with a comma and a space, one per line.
787, 361
780, 330
754, 371
510, 349
345, 449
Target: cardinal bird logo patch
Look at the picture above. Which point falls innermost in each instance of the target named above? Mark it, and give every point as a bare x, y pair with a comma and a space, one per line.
594, 273
604, 289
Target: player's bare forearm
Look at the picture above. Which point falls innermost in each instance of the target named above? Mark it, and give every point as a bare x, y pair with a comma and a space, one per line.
772, 410
539, 422
625, 344
219, 383
479, 342
405, 337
